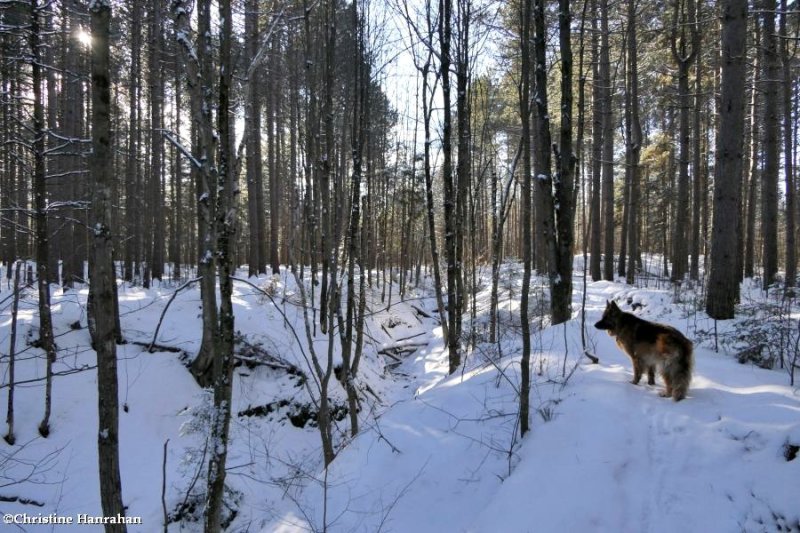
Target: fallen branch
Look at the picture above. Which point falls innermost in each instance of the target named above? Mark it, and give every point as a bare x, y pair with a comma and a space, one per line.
55, 374
595, 360
164, 311
291, 369
397, 359
20, 499
382, 437
413, 336
291, 328
153, 347
399, 345
421, 312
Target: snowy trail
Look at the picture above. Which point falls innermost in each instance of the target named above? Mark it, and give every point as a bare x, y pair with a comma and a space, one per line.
627, 460
614, 457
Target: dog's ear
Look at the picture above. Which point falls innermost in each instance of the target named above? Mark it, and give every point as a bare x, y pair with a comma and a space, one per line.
614, 306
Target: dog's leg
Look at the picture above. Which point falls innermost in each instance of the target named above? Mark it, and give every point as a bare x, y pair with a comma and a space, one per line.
651, 375
667, 392
637, 371
678, 389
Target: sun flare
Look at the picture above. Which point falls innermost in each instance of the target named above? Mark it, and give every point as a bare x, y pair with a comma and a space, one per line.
83, 37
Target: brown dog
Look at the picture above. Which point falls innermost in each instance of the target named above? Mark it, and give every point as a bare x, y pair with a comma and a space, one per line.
651, 345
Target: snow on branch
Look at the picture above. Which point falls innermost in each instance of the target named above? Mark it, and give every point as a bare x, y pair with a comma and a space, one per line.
177, 144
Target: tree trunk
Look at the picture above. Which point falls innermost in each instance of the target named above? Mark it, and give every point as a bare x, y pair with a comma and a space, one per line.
563, 210
40, 204
524, 115
697, 168
497, 248
634, 148
463, 153
176, 253
450, 213
598, 114
542, 162
132, 192
788, 149
684, 42
325, 164
427, 103
608, 145
102, 276
72, 163
10, 438
357, 139
198, 59
751, 177
772, 124
275, 191
723, 281
254, 163
155, 194
225, 219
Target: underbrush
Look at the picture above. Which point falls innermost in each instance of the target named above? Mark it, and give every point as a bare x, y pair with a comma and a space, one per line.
765, 332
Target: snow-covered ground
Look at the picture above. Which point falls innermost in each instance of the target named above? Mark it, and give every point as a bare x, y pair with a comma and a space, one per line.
436, 453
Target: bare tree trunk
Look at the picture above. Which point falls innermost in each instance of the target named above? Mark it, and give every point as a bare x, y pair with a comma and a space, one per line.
634, 147
598, 115
450, 213
626, 186
325, 163
10, 438
497, 247
293, 145
40, 202
542, 162
275, 182
72, 163
564, 208
225, 219
684, 42
463, 152
788, 149
772, 124
427, 103
198, 59
155, 206
697, 168
752, 174
132, 192
524, 115
102, 276
55, 170
608, 145
7, 164
357, 139
329, 292
312, 143
176, 253
723, 282
254, 163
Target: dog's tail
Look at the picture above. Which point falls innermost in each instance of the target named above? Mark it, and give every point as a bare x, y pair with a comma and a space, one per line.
680, 368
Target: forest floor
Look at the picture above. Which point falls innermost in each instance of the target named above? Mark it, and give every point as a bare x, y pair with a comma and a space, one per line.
436, 452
